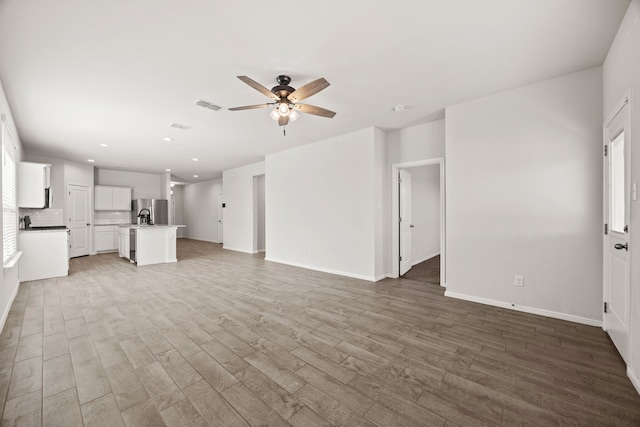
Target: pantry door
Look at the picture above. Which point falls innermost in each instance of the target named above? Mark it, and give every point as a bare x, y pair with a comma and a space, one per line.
79, 221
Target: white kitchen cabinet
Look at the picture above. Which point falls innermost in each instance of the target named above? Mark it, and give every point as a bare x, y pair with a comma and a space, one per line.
124, 242
109, 198
33, 180
45, 254
105, 238
121, 199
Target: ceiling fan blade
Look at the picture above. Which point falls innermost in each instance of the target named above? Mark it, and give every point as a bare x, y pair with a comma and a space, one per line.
257, 86
308, 90
316, 111
250, 107
283, 120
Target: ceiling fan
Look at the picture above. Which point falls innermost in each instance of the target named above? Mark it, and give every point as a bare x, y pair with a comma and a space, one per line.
285, 99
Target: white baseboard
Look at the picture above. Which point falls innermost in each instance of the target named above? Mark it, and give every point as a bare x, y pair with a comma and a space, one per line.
424, 259
326, 270
635, 380
531, 310
238, 250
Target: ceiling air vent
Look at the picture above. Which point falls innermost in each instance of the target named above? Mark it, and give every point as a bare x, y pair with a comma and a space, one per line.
207, 104
180, 126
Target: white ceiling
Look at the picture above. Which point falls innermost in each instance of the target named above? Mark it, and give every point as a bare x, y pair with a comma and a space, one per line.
79, 73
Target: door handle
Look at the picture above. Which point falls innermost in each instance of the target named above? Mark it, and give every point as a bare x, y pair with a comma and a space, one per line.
411, 226
621, 246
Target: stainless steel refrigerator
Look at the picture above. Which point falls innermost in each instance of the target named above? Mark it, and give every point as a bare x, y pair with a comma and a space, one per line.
158, 208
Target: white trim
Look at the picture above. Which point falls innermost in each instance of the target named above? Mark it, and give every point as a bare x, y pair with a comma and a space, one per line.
531, 310
237, 249
328, 270
424, 259
395, 249
7, 307
12, 262
635, 380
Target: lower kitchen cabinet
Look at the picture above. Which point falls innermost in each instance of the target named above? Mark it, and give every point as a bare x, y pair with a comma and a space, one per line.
45, 254
105, 238
124, 242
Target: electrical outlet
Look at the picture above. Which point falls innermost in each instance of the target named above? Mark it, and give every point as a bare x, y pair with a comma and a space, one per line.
518, 280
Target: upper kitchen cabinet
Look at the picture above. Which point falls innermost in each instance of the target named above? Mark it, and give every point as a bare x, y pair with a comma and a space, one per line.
34, 185
108, 198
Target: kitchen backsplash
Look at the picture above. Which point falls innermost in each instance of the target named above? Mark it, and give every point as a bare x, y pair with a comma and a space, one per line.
43, 217
112, 217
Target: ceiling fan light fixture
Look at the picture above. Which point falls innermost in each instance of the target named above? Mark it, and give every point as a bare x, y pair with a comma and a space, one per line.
274, 114
293, 115
283, 109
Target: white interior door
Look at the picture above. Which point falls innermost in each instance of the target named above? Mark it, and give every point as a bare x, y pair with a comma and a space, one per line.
404, 182
616, 250
220, 217
79, 220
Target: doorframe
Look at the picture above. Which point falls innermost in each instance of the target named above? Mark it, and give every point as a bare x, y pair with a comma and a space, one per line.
626, 100
395, 214
220, 214
257, 225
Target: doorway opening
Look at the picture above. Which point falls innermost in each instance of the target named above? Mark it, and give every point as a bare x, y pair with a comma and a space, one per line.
259, 235
418, 231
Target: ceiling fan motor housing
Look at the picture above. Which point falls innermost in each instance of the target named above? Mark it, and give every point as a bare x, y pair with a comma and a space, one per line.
282, 90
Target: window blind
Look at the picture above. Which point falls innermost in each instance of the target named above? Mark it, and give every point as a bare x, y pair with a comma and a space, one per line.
9, 209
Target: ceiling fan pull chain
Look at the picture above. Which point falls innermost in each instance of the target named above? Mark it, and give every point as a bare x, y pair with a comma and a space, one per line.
284, 131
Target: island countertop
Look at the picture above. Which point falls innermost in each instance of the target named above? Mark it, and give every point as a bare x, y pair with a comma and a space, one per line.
151, 226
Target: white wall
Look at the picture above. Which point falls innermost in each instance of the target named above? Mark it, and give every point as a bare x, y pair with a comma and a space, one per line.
621, 71
145, 185
200, 207
380, 213
178, 206
259, 206
9, 278
421, 142
524, 196
237, 186
321, 201
425, 212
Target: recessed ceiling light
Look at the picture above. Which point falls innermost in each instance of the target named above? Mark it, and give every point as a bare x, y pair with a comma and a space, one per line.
168, 170
166, 138
399, 107
195, 160
104, 145
90, 160
207, 104
195, 176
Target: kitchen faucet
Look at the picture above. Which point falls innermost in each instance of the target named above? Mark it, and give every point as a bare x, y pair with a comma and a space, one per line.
145, 218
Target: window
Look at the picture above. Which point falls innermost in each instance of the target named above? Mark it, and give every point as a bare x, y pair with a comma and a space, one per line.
616, 181
9, 210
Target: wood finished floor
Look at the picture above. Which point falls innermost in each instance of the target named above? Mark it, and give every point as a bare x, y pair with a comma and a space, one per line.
226, 339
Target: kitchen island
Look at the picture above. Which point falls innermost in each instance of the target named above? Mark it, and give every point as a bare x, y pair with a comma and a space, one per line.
148, 244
